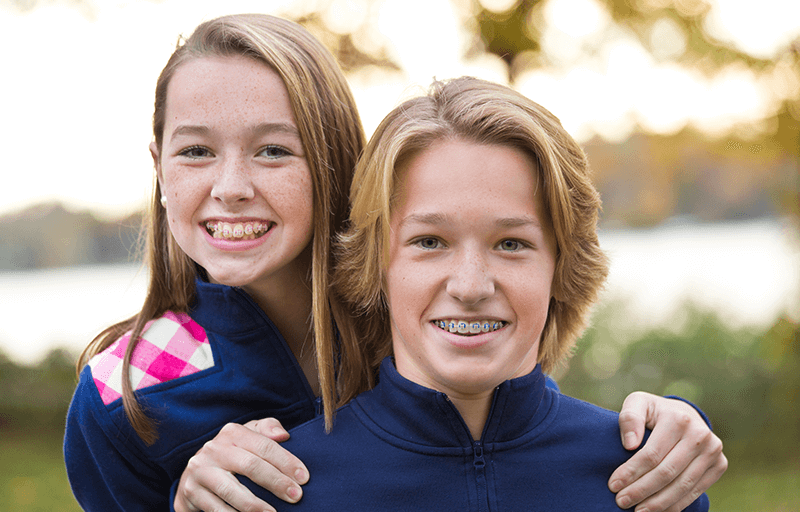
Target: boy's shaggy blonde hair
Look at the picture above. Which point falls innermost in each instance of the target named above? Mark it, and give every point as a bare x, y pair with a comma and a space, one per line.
484, 113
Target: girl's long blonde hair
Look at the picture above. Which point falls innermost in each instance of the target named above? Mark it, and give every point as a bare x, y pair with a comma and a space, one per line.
332, 136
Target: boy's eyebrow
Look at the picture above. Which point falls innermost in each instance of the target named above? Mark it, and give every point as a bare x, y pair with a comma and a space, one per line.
436, 219
513, 222
259, 129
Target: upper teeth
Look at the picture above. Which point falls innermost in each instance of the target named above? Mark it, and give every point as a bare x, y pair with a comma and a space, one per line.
238, 230
464, 327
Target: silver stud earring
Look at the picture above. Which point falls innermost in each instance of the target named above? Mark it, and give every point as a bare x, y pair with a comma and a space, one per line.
164, 201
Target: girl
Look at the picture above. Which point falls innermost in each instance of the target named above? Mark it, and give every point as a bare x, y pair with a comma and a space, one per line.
255, 138
256, 135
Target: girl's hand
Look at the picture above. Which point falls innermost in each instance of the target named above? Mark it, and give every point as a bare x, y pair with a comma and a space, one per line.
209, 483
680, 460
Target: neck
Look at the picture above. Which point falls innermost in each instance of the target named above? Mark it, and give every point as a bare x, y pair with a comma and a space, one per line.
475, 411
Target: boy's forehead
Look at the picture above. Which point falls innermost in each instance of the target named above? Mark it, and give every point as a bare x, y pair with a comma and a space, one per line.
455, 176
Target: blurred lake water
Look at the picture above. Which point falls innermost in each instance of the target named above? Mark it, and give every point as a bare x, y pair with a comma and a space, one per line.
749, 272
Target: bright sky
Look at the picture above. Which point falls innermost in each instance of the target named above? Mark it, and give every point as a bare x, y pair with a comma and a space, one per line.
77, 91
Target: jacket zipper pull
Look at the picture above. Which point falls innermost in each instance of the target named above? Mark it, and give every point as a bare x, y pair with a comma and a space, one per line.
478, 455
480, 476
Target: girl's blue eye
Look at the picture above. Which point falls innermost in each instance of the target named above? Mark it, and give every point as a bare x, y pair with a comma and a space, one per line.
195, 152
274, 152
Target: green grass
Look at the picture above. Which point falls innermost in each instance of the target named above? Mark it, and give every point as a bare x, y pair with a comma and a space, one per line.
32, 473
757, 490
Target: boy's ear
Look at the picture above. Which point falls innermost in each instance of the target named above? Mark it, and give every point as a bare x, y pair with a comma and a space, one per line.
156, 163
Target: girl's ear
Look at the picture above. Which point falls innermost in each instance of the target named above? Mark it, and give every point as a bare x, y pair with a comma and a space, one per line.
157, 163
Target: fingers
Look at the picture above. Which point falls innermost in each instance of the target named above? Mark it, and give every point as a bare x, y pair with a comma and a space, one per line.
685, 472
213, 490
632, 419
629, 479
260, 459
269, 427
222, 493
209, 482
688, 486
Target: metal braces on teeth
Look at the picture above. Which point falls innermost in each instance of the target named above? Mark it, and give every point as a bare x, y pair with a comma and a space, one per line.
463, 327
237, 230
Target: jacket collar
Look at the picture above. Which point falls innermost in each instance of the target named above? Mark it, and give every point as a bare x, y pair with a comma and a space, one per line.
227, 309
417, 414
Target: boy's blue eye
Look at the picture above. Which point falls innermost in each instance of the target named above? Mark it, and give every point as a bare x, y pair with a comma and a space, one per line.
510, 245
428, 243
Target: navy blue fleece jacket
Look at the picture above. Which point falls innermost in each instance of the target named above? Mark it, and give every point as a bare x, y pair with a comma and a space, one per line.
403, 447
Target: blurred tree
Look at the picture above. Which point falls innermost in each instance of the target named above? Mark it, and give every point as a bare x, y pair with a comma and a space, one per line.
515, 35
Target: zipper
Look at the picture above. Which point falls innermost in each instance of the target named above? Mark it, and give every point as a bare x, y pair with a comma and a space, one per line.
478, 460
480, 475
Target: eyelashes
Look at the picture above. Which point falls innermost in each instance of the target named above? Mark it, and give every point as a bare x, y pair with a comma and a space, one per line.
509, 245
271, 152
274, 151
195, 152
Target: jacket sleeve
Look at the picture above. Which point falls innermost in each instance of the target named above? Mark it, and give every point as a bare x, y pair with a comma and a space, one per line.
699, 411
106, 470
701, 504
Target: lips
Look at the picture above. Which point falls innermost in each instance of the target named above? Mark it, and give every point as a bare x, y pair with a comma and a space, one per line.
469, 327
249, 230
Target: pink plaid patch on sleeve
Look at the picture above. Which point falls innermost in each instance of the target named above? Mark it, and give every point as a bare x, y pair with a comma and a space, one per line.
172, 346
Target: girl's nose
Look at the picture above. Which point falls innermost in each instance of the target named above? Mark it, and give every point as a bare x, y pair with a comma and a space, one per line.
233, 185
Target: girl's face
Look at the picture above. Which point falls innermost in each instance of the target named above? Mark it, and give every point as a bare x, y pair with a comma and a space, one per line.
472, 257
233, 170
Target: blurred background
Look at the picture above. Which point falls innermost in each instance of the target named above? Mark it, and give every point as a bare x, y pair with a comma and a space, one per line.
689, 111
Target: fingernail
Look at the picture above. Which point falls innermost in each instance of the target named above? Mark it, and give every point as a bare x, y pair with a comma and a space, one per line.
300, 476
278, 431
616, 486
623, 502
294, 493
630, 440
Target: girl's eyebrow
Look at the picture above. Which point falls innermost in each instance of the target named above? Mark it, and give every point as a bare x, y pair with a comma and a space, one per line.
188, 129
259, 129
267, 128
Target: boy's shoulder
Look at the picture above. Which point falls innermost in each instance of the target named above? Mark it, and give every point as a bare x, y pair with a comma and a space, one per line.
579, 417
171, 346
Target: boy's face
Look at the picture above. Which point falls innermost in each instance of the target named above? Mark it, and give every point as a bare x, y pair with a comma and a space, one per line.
470, 242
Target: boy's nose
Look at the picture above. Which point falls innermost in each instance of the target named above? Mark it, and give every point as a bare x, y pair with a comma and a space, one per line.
471, 280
